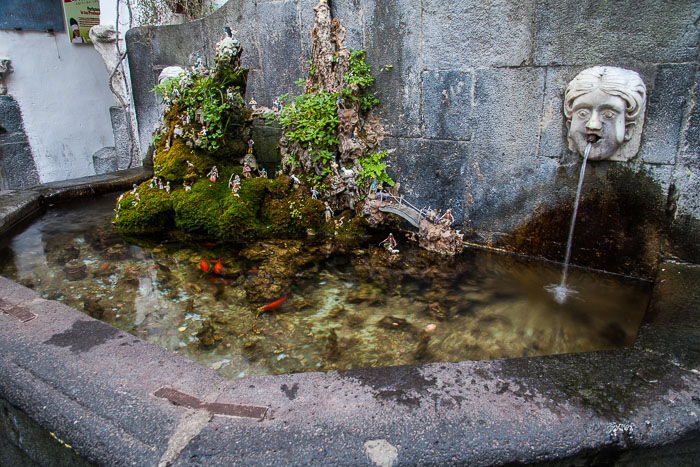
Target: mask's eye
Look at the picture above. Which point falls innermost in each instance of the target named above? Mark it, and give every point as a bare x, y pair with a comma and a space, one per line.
583, 113
609, 114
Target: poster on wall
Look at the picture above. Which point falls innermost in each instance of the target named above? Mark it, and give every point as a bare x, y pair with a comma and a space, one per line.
81, 15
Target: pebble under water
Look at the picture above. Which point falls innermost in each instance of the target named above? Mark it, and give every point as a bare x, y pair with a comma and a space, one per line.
356, 308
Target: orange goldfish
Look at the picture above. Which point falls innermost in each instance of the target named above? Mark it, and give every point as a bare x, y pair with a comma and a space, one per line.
204, 265
271, 306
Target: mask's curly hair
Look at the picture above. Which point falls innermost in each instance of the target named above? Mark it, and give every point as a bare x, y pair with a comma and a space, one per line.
626, 84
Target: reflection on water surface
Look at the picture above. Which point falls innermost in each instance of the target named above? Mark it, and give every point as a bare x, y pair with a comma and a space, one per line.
349, 309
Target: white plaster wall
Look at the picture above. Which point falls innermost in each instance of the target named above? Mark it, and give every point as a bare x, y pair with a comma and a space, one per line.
64, 97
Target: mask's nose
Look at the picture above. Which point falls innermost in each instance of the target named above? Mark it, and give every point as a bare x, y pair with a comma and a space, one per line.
593, 123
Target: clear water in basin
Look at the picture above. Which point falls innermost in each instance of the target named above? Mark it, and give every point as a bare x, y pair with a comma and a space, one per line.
345, 310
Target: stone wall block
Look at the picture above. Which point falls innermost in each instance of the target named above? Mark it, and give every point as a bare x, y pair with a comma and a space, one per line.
179, 44
308, 18
351, 15
506, 113
143, 78
552, 122
476, 33
17, 167
690, 141
503, 175
280, 43
500, 197
438, 182
447, 103
615, 33
393, 27
666, 104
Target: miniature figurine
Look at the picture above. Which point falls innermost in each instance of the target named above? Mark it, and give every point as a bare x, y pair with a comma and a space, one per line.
235, 185
339, 222
262, 173
134, 190
373, 186
246, 170
253, 104
160, 183
314, 193
251, 143
153, 182
295, 180
328, 212
167, 187
213, 174
190, 165
389, 244
354, 135
187, 187
447, 219
198, 64
339, 102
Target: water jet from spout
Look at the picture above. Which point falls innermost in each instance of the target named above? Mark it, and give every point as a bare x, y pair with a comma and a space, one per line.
561, 291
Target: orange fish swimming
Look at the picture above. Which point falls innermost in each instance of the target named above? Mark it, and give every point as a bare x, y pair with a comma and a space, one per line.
204, 265
218, 267
271, 306
105, 266
253, 271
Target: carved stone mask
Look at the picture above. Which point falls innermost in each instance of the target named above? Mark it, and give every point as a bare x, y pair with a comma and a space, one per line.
605, 105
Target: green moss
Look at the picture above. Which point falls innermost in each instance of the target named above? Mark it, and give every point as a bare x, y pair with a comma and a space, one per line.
172, 164
153, 213
198, 210
238, 221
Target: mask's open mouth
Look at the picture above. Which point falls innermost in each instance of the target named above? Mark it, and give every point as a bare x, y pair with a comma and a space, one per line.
593, 138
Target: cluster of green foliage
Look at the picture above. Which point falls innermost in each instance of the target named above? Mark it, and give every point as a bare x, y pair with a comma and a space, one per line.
312, 121
374, 168
359, 76
206, 93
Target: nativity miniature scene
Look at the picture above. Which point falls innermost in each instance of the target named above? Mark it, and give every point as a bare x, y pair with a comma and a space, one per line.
322, 263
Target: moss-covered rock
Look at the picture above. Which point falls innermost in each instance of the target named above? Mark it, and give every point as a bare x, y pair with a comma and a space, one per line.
150, 213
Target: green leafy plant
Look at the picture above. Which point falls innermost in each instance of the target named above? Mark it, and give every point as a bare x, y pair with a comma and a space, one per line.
359, 77
312, 121
205, 94
374, 168
294, 212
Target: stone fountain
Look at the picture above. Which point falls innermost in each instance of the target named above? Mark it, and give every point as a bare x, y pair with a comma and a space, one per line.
604, 108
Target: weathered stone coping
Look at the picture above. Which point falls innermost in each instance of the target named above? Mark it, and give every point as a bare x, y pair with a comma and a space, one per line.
108, 394
17, 206
101, 391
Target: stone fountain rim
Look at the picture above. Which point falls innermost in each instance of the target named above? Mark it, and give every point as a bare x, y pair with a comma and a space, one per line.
95, 387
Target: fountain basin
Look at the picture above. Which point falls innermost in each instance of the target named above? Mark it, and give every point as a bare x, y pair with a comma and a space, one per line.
94, 387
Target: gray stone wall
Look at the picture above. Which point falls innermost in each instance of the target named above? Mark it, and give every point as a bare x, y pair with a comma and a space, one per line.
17, 168
471, 92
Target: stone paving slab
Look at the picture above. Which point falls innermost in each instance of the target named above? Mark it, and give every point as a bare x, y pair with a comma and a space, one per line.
97, 389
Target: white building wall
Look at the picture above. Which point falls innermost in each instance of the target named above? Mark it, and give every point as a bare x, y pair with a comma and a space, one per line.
62, 91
